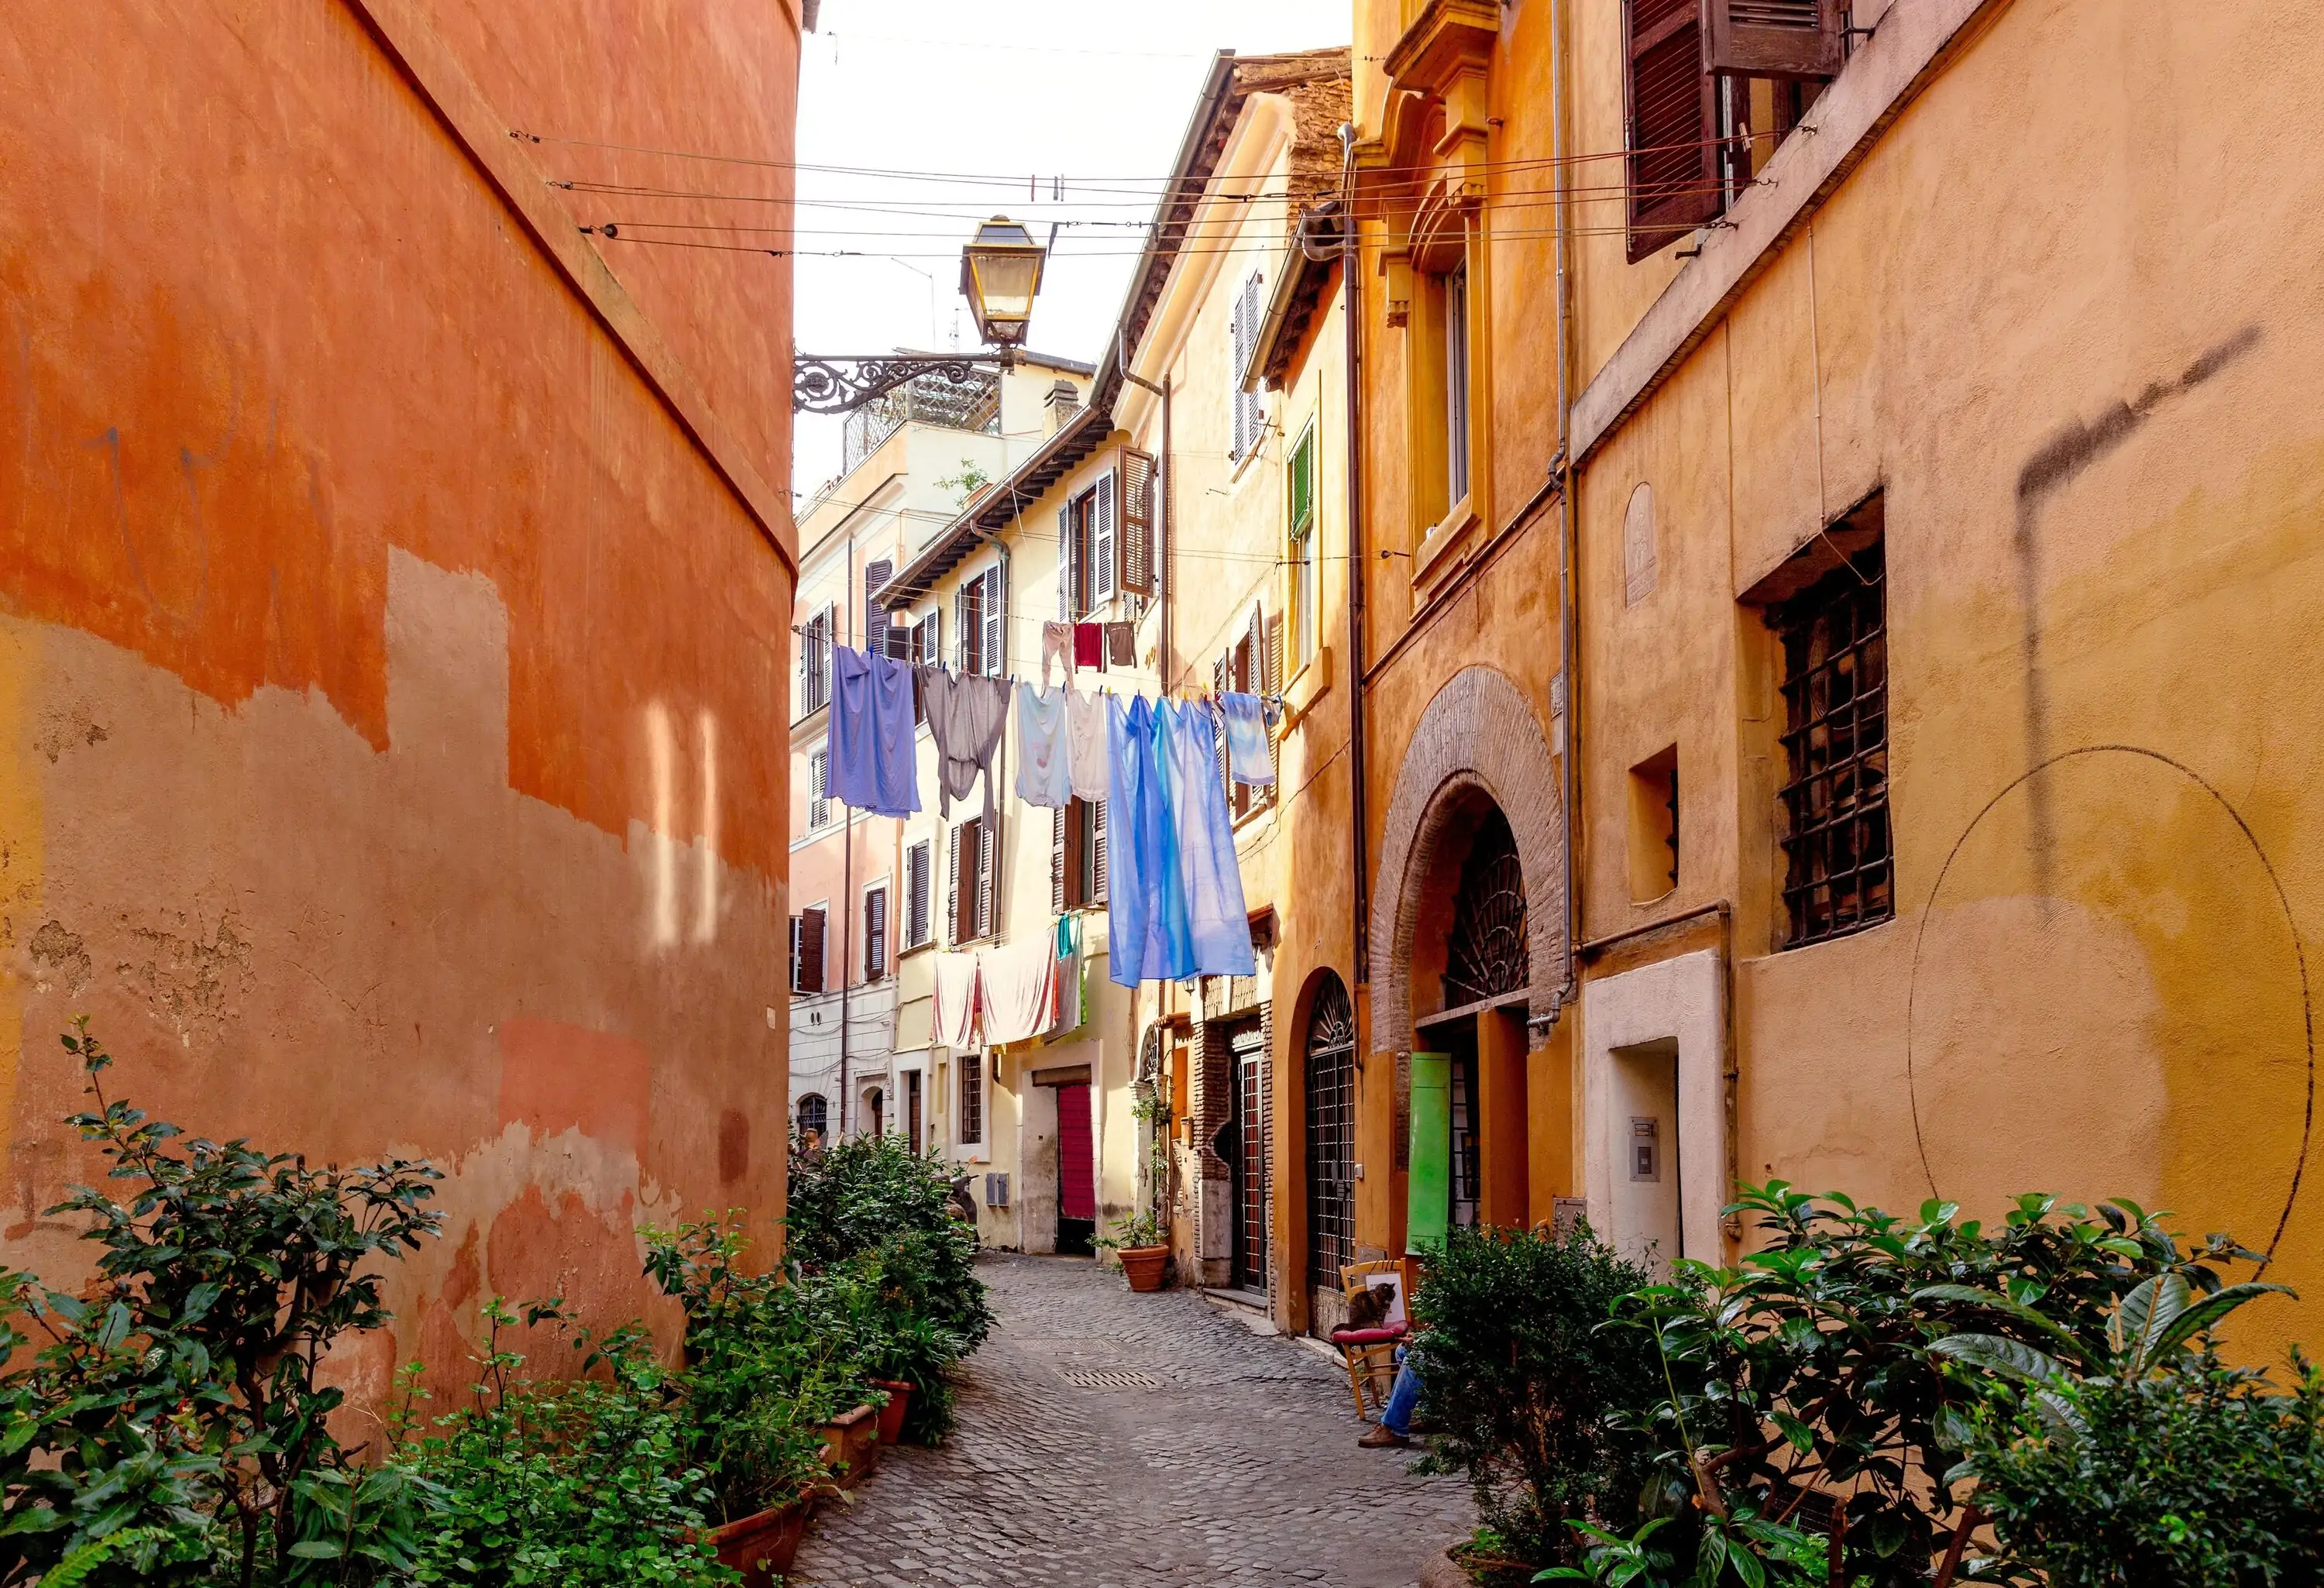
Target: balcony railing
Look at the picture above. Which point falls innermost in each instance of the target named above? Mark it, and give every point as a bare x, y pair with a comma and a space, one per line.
974, 404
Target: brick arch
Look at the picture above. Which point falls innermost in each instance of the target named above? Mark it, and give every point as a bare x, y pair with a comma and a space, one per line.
1478, 735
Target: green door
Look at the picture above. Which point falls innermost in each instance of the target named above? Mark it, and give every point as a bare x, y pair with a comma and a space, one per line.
1428, 1190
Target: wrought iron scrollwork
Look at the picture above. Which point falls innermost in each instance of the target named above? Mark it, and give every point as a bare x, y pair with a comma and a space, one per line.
842, 385
1487, 954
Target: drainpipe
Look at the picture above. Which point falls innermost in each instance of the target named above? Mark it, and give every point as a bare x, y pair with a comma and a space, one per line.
1569, 530
846, 868
1351, 272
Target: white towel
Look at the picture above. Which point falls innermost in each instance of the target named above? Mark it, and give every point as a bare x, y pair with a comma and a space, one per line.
1085, 751
955, 1002
1019, 990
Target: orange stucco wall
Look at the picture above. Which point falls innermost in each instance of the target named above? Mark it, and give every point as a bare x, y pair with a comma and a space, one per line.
2059, 317
390, 685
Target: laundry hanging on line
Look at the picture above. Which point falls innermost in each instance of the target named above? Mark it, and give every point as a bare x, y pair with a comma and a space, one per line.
869, 762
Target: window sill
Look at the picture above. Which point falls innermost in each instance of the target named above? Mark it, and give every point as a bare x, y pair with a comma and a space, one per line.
914, 950
1436, 555
1310, 684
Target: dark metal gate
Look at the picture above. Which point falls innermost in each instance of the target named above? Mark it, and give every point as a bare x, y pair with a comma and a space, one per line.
1250, 1059
1331, 1065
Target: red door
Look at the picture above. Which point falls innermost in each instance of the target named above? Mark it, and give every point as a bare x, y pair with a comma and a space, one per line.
1077, 1163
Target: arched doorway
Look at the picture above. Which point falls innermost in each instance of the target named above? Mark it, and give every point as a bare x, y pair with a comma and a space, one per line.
1329, 1070
1482, 973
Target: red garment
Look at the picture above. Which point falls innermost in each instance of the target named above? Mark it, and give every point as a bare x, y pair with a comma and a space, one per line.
1089, 645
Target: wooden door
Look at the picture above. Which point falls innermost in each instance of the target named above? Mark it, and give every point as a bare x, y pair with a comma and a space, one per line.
1076, 1169
912, 1112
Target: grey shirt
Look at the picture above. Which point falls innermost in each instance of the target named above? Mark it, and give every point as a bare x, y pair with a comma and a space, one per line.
965, 716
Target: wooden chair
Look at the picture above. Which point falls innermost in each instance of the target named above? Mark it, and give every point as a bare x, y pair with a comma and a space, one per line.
1370, 1353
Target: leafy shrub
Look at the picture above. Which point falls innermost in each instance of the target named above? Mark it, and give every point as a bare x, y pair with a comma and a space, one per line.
2204, 1473
1808, 1371
1519, 1373
577, 1483
178, 1395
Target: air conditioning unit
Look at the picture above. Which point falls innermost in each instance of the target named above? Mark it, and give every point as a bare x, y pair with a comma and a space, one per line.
996, 1190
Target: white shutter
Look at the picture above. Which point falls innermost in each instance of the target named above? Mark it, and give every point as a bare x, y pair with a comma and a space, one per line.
995, 617
1103, 540
960, 625
984, 877
952, 890
1239, 352
1065, 612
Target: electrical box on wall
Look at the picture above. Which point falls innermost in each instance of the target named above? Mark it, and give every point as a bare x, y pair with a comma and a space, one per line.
1646, 1149
996, 1190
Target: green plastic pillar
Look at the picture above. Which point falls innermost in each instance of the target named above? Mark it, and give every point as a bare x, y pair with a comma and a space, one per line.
1428, 1190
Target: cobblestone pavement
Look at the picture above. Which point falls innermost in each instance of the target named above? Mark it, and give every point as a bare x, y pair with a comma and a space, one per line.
1237, 1464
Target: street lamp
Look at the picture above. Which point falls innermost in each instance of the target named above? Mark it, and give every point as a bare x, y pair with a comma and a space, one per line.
1000, 274
1000, 271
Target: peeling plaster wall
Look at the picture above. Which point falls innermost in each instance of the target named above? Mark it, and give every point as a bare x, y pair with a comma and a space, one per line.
385, 675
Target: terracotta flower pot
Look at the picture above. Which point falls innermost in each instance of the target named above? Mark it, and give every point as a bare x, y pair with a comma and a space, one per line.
892, 1416
1142, 1266
851, 1442
761, 1546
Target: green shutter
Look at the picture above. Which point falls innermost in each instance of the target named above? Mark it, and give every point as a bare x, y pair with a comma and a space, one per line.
1429, 1188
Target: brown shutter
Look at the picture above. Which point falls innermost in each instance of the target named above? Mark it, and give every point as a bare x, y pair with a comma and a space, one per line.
1057, 853
916, 895
1270, 672
1772, 37
810, 956
1097, 846
1673, 117
875, 622
875, 934
953, 893
984, 879
1137, 522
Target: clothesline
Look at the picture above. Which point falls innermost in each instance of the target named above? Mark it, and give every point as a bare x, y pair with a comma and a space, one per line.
1153, 765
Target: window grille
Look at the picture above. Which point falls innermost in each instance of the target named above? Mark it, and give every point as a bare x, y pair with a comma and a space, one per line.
971, 1098
814, 1114
1839, 865
1330, 1076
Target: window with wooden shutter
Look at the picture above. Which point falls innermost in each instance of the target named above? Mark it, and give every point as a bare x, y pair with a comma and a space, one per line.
966, 632
954, 892
1791, 39
1097, 851
1673, 117
793, 978
1068, 565
807, 975
1103, 540
875, 622
918, 883
875, 934
1058, 901
984, 877
818, 790
814, 662
1249, 406
995, 615
1138, 515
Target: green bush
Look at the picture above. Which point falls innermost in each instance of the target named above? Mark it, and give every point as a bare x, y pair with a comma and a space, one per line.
577, 1483
1519, 1375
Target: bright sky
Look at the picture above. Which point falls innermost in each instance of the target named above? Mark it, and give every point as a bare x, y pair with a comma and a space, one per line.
1093, 94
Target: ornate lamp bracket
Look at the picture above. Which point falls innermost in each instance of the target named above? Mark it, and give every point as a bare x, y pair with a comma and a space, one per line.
841, 384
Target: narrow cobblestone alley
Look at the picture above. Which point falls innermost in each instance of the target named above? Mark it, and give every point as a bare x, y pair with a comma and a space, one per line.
1107, 1440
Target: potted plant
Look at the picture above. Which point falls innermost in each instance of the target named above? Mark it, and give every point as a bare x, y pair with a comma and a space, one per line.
1143, 1245
768, 1473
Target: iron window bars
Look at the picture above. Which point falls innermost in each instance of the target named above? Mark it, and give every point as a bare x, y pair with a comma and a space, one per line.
1840, 873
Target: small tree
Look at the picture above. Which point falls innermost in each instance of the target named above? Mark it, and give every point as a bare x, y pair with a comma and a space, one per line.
1519, 1374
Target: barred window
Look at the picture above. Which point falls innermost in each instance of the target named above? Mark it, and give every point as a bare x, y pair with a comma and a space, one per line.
1839, 871
971, 1098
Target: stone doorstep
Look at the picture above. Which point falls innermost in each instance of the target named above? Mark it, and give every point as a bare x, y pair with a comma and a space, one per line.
1245, 1308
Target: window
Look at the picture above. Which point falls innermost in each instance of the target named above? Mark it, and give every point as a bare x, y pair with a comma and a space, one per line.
1704, 109
1305, 597
881, 636
806, 950
1250, 407
814, 662
1252, 665
978, 611
970, 905
1456, 383
918, 880
924, 645
814, 1114
1086, 536
875, 932
971, 1098
1654, 826
1839, 872
1077, 856
818, 790
1140, 484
